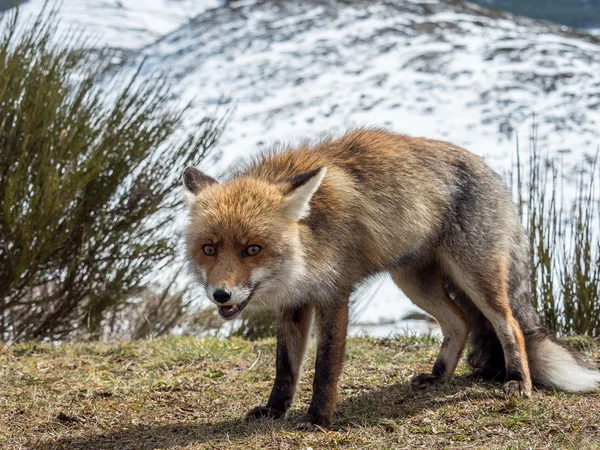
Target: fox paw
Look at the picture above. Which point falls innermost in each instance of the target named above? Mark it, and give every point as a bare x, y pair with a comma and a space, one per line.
425, 380
311, 423
264, 412
515, 388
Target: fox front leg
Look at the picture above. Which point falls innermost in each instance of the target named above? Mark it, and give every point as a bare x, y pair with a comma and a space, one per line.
293, 325
332, 325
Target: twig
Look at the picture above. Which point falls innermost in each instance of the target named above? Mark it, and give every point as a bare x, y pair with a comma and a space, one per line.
254, 363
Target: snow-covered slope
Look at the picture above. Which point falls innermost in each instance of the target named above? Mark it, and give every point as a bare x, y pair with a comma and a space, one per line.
442, 69
125, 24
301, 69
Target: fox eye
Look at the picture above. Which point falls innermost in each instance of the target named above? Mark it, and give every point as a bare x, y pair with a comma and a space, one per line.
252, 250
209, 250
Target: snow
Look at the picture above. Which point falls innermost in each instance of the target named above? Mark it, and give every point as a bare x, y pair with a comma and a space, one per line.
297, 70
125, 24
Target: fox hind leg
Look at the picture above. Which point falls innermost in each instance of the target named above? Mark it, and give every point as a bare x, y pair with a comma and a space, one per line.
425, 288
486, 285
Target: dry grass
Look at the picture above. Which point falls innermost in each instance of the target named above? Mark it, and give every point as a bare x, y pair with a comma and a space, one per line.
191, 393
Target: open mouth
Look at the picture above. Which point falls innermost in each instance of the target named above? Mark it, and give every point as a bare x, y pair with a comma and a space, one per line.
230, 312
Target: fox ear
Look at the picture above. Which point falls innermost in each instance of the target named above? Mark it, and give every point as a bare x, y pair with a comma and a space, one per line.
302, 187
194, 181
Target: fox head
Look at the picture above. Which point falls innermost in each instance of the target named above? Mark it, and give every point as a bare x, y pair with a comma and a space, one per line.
243, 238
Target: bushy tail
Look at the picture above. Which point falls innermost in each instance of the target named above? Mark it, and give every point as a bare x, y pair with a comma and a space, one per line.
553, 364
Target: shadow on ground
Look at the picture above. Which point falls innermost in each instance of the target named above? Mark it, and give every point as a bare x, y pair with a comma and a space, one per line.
390, 402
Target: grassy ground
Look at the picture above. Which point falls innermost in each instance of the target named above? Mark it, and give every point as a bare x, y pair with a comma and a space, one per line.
191, 393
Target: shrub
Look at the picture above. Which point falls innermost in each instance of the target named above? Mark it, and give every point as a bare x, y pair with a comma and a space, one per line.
89, 179
156, 310
563, 231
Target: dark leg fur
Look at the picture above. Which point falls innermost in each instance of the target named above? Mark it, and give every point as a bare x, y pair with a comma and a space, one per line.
292, 336
486, 356
332, 323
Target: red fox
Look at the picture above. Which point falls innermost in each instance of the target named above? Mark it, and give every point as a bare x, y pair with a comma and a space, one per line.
299, 230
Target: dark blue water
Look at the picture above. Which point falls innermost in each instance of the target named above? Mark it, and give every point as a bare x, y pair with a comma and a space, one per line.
7, 4
573, 13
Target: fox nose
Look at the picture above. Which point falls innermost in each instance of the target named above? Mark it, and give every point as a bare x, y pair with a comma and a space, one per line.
221, 295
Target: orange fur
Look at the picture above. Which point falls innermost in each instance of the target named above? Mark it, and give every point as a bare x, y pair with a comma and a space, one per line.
330, 215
